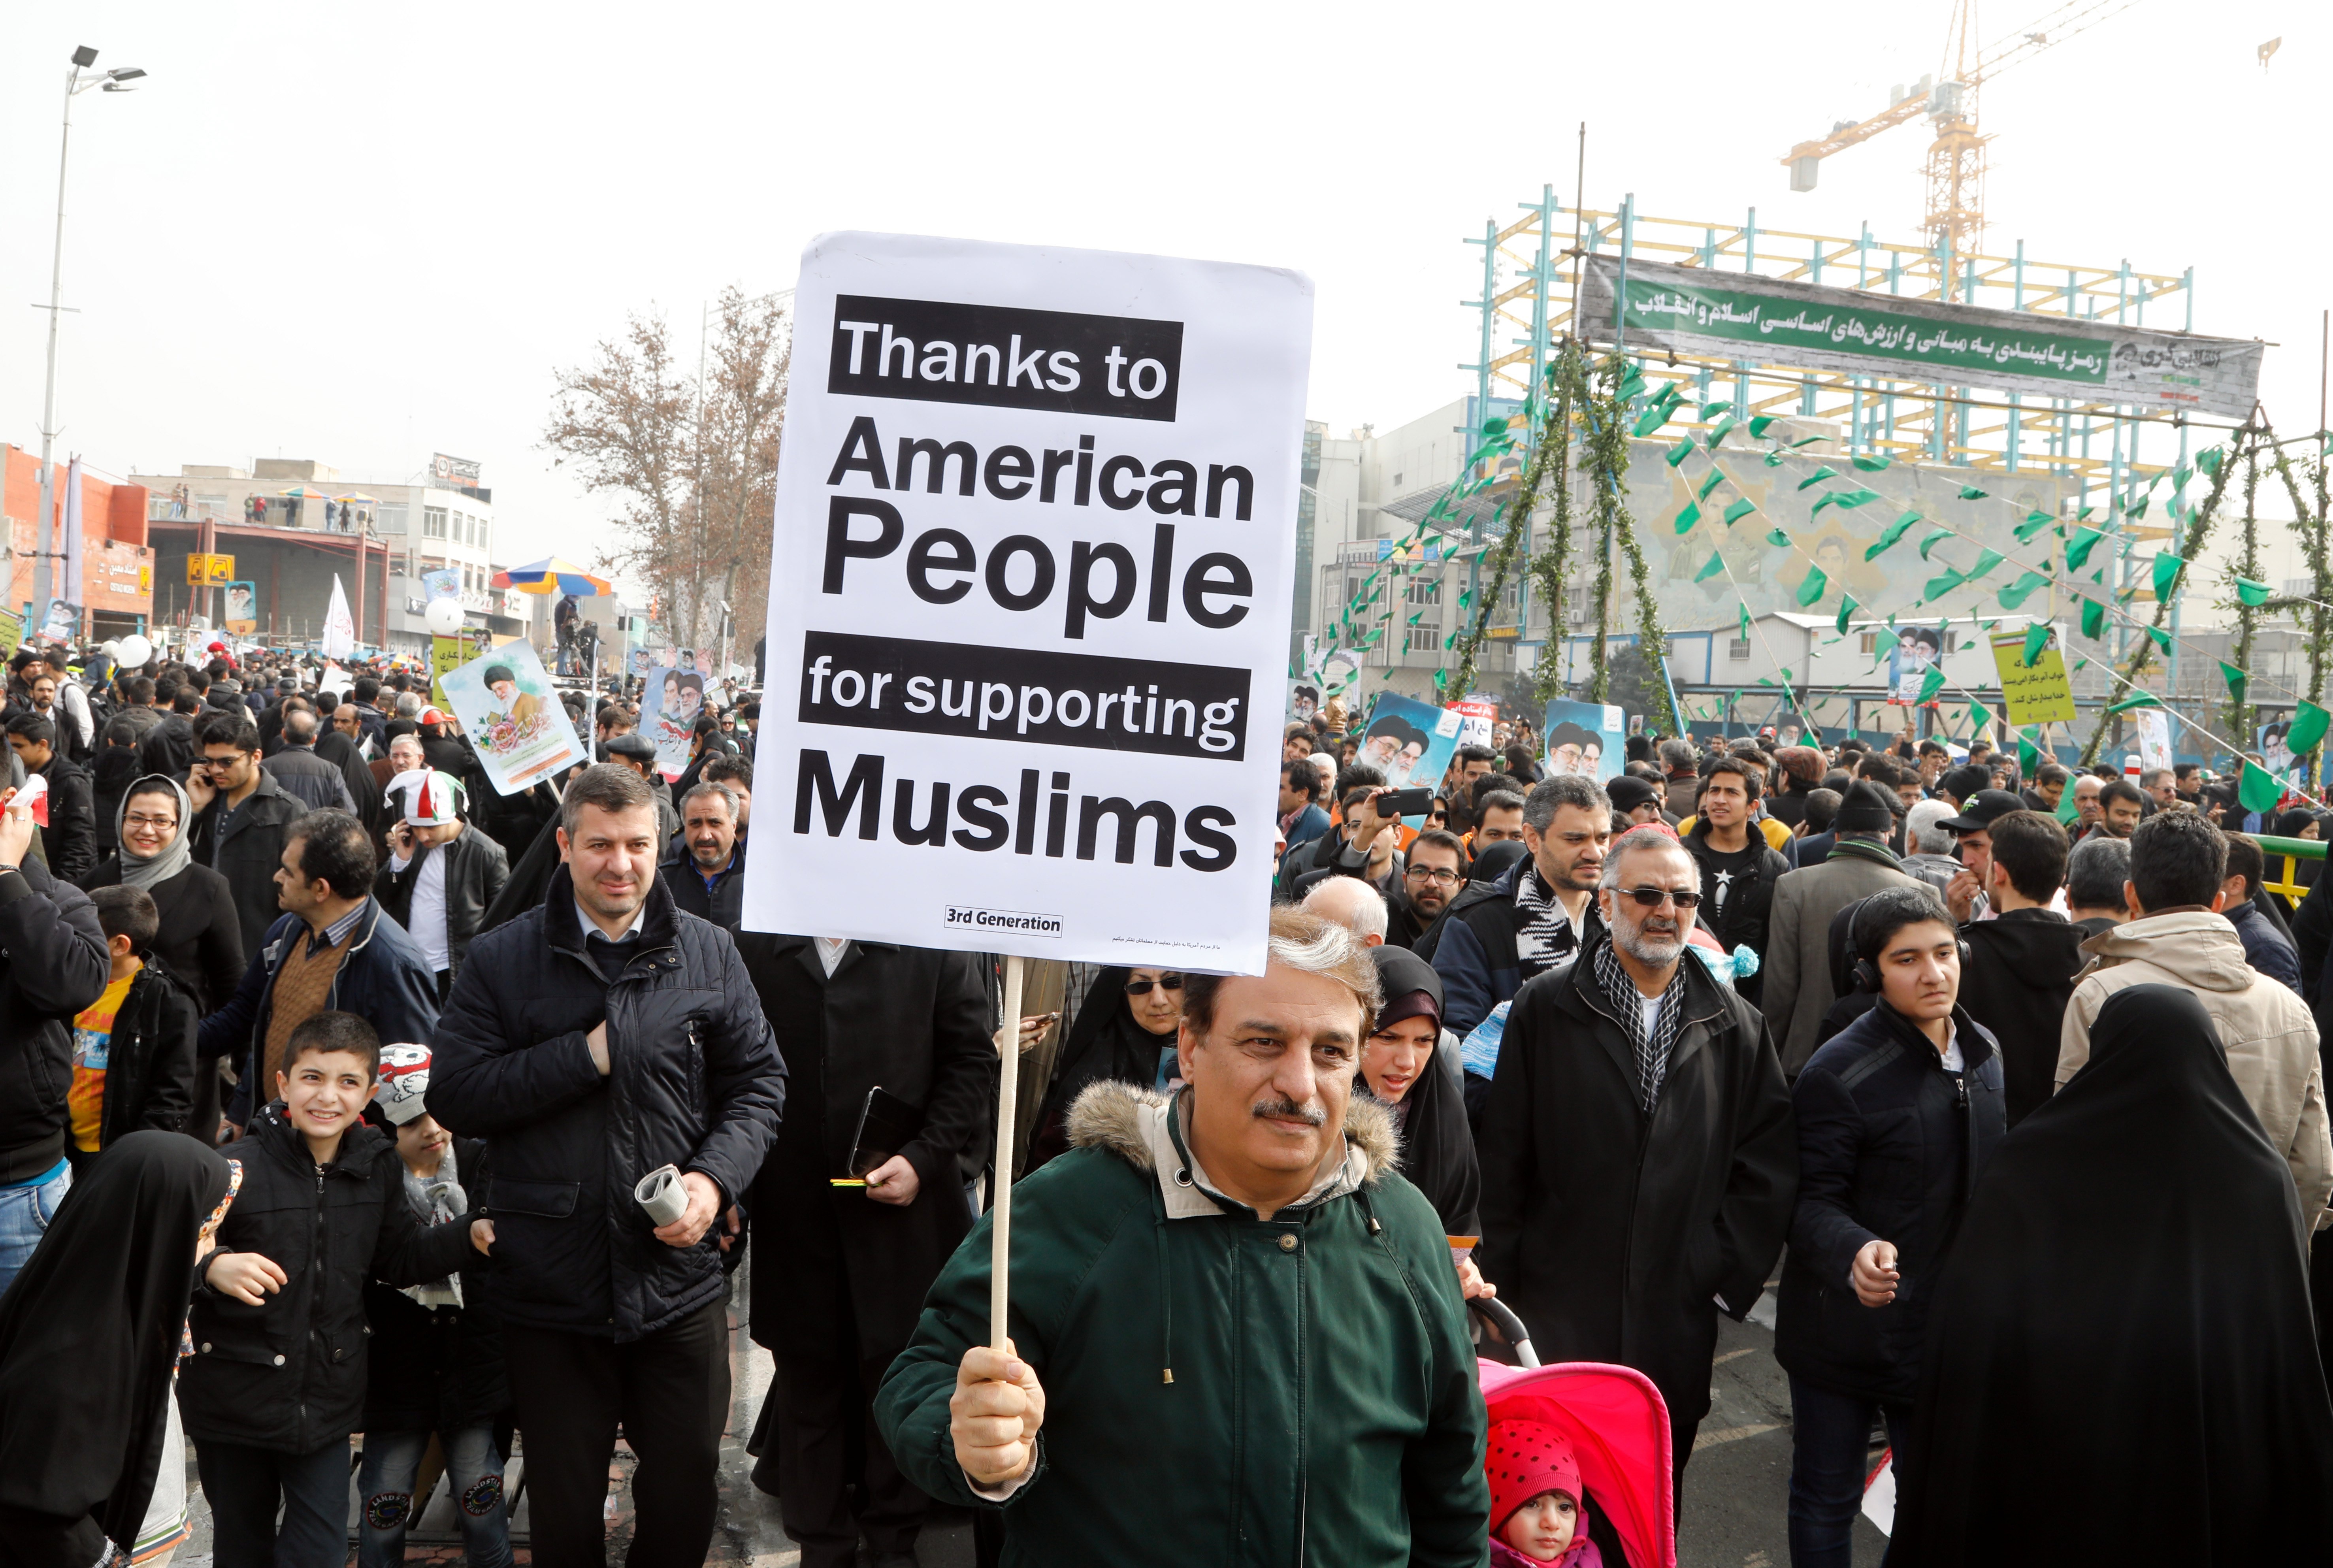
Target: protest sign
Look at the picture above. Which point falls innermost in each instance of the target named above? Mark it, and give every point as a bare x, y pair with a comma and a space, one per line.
514, 720
1478, 716
1917, 651
2154, 736
1411, 742
240, 611
1586, 738
1303, 701
446, 653
1032, 560
2037, 693
669, 703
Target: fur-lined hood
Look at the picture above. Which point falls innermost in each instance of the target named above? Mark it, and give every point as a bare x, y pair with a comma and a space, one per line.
1132, 1123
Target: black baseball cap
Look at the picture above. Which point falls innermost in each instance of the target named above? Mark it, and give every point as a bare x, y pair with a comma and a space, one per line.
1980, 810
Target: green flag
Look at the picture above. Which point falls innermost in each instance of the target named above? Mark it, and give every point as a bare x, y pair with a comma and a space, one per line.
1761, 425
1884, 640
1812, 588
1739, 510
1971, 493
2066, 808
2017, 593
2135, 510
2094, 618
1978, 718
1825, 472
1939, 586
1717, 564
2308, 729
2136, 700
2166, 573
2254, 594
2078, 548
2259, 790
1681, 451
1713, 482
1846, 608
1775, 458
2034, 523
1655, 416
1777, 538
1931, 684
1711, 411
1890, 534
2237, 680
1688, 517
2028, 755
1872, 463
2208, 460
1986, 561
1719, 432
1854, 498
1821, 503
1745, 620
2036, 638
1933, 540
2162, 638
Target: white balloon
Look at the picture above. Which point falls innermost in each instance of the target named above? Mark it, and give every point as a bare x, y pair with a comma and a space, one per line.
134, 651
444, 616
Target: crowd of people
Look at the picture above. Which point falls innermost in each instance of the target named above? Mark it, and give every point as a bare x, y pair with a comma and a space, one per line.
344, 1094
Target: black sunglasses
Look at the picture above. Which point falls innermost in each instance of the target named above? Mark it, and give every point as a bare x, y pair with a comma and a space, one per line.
1651, 898
1164, 981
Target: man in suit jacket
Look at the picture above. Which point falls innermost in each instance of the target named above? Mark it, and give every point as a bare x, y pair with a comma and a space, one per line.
1798, 989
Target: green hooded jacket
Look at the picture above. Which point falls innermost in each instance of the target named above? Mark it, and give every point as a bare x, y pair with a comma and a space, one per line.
1299, 1391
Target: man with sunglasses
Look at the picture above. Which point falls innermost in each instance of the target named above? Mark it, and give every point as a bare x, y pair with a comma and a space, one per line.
1638, 1153
241, 816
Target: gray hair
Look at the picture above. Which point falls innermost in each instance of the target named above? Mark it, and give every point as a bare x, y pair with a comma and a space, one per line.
1635, 842
408, 705
298, 727
1564, 790
1351, 902
2095, 872
1299, 940
1677, 754
1920, 827
728, 796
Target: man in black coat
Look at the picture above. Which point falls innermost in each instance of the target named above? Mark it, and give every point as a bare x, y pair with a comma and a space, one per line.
240, 818
2019, 971
840, 1272
707, 871
168, 747
597, 1040
1738, 868
1632, 1170
68, 843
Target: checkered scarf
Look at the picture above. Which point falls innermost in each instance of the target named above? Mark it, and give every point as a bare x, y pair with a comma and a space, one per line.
1546, 937
1651, 1048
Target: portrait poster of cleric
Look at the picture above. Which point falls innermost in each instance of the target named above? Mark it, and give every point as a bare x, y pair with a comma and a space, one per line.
1029, 601
1586, 738
1411, 742
516, 723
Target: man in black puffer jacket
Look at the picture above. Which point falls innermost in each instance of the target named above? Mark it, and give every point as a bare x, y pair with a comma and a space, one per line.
594, 1040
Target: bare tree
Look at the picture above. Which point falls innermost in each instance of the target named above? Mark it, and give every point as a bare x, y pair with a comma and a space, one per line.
695, 459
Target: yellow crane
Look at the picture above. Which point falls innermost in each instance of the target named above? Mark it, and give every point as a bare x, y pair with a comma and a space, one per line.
1955, 171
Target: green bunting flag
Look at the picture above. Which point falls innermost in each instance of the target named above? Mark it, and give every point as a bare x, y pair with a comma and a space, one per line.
1739, 510
2078, 548
1681, 451
1722, 429
1978, 718
1711, 411
2136, 700
1654, 417
2166, 573
2135, 510
1745, 620
2208, 460
1825, 472
1775, 458
1971, 493
1713, 482
2237, 680
2094, 618
2016, 594
1872, 464
1933, 540
1812, 588
1688, 517
2162, 638
1851, 499
2254, 594
2308, 722
2068, 807
1939, 586
1825, 501
2028, 755
1808, 441
1717, 564
2034, 523
1931, 684
1761, 425
1846, 608
2036, 638
1884, 640
1986, 561
2259, 790
1777, 538
1890, 534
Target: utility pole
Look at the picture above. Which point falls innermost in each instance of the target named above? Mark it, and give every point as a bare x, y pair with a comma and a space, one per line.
43, 576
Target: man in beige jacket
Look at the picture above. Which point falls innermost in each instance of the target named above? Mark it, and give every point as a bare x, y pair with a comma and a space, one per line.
2176, 937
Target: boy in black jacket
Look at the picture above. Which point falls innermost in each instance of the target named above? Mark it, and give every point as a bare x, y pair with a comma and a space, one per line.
277, 1380
133, 1048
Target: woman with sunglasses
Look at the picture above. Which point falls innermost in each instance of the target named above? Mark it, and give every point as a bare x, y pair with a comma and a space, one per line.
1126, 1030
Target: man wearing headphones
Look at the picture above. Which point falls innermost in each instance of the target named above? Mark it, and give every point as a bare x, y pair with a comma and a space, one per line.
1897, 1115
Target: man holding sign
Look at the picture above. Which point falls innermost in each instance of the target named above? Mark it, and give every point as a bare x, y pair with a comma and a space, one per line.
1235, 1333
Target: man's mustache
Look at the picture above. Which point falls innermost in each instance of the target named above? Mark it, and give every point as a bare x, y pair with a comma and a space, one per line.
1312, 1115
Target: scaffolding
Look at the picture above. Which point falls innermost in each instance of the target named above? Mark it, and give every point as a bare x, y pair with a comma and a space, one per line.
1530, 274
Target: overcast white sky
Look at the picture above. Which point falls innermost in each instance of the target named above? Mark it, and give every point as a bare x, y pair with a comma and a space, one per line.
364, 234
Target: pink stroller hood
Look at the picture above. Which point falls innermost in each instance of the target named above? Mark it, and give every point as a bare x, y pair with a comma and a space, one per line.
1619, 1432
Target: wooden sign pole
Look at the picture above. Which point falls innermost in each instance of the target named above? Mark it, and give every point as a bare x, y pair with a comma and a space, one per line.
1008, 1091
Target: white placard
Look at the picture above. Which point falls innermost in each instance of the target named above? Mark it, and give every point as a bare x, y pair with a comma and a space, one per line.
2153, 737
1029, 602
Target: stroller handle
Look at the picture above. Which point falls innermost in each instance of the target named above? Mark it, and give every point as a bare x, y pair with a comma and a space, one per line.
1507, 1326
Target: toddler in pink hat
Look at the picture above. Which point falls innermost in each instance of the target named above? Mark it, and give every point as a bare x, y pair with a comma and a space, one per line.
1536, 1518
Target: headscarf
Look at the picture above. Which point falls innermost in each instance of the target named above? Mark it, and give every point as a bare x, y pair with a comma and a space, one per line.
150, 872
1437, 1151
2135, 1251
2289, 824
1105, 1042
90, 1330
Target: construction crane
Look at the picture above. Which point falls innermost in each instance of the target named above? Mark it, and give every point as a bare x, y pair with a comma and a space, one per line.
1955, 171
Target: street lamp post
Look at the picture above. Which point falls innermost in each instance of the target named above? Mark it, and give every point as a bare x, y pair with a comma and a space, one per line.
82, 59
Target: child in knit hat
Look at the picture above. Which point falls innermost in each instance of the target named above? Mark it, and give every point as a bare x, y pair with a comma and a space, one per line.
1536, 1517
